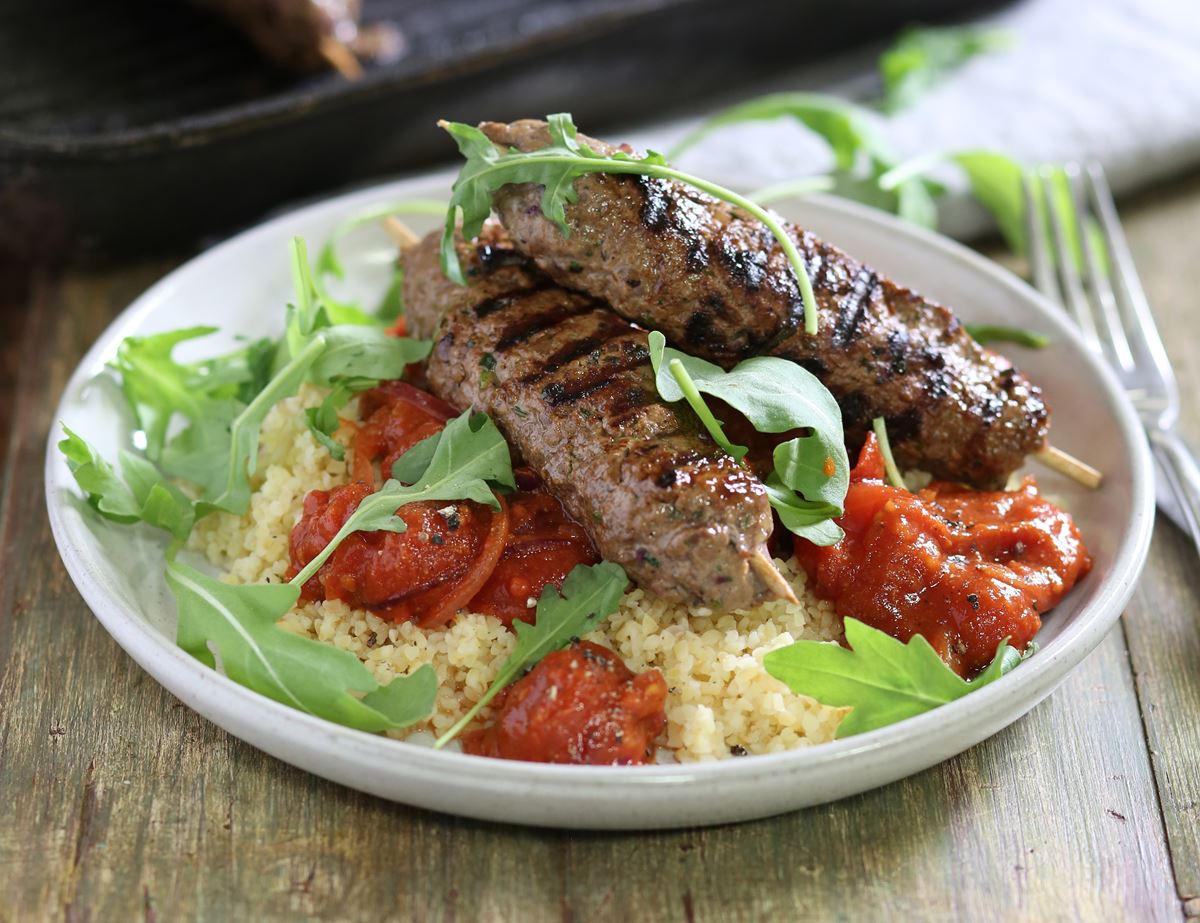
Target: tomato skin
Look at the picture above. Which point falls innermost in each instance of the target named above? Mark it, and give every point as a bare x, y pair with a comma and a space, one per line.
476, 558
580, 704
396, 417
542, 547
963, 568
424, 574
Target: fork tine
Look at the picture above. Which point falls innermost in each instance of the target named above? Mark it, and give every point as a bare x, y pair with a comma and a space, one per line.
1035, 233
1129, 287
1064, 256
1097, 280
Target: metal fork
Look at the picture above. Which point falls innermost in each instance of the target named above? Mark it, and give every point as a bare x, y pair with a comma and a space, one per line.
1105, 298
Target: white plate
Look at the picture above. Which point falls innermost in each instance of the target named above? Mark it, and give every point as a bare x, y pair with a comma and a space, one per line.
241, 285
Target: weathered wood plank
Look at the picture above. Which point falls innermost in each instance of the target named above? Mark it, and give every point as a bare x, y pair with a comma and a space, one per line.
1163, 622
120, 803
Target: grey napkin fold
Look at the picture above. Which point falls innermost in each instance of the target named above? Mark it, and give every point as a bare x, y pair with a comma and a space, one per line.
1115, 80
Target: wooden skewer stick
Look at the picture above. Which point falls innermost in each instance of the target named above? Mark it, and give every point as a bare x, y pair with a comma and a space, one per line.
764, 568
1072, 467
340, 58
404, 236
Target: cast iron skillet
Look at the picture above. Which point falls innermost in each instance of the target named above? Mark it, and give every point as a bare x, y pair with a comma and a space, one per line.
138, 125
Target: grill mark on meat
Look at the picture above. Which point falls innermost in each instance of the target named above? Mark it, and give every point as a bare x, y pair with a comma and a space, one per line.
655, 203
661, 213
881, 349
529, 327
853, 307
492, 258
490, 306
611, 328
577, 401
594, 379
748, 268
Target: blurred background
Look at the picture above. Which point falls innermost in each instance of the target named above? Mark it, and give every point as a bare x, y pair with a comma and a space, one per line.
130, 127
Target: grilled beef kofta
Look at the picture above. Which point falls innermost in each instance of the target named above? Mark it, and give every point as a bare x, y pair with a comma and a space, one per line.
716, 282
569, 383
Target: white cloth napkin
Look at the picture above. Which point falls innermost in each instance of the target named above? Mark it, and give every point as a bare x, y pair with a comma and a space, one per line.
1114, 80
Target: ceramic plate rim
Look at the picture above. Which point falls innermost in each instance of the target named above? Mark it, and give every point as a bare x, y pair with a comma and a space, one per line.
200, 686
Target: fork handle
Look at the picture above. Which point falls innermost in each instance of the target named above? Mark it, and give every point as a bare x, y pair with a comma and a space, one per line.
1182, 473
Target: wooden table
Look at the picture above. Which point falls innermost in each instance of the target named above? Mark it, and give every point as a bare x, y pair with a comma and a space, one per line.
118, 803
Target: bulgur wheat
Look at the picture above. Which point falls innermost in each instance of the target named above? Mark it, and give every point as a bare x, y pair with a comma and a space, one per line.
721, 700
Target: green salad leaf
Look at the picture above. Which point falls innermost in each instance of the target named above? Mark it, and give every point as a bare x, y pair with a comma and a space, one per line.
225, 400
323, 420
922, 57
240, 622
995, 333
138, 494
883, 680
895, 478
468, 460
994, 179
201, 421
555, 168
157, 386
330, 264
590, 594
849, 129
865, 168
219, 451
861, 153
811, 472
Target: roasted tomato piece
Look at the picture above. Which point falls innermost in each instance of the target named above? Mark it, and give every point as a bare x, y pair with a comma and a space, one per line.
964, 568
396, 417
542, 547
424, 574
578, 705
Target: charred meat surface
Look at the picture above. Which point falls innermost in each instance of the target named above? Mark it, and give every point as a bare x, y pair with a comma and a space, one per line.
717, 284
569, 384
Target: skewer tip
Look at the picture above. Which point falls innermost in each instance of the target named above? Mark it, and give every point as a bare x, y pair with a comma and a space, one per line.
339, 56
1065, 463
766, 571
404, 236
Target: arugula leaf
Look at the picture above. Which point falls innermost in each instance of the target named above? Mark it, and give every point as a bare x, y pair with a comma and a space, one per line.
323, 420
995, 180
923, 56
883, 680
156, 386
589, 595
329, 264
412, 465
220, 451
362, 353
895, 478
794, 189
308, 675
776, 396
469, 458
861, 153
555, 168
813, 519
849, 129
995, 333
139, 494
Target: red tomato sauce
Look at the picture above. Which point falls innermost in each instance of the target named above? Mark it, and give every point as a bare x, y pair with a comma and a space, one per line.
578, 705
452, 556
964, 568
542, 547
